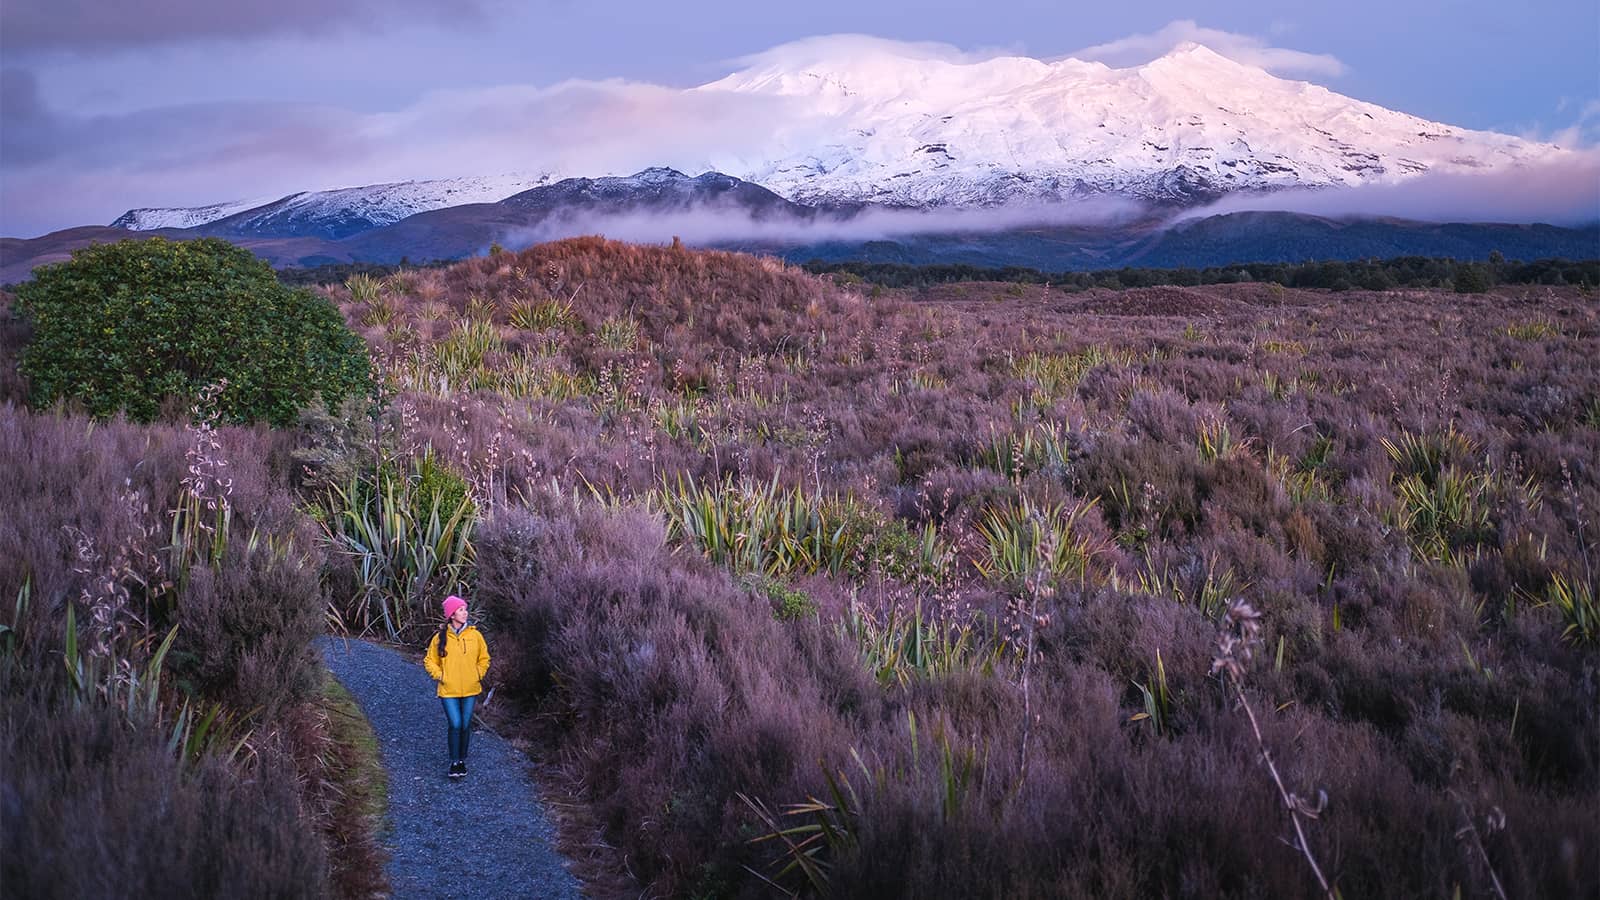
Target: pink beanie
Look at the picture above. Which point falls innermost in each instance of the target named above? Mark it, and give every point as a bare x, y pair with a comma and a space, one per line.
451, 604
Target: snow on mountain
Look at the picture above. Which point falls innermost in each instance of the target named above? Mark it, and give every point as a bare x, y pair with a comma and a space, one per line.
866, 121
151, 218
874, 123
336, 213
657, 189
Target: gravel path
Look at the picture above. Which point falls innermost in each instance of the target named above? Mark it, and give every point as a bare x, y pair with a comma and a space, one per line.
482, 836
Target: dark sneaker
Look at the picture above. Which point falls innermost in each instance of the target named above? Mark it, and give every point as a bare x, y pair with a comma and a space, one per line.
462, 768
457, 770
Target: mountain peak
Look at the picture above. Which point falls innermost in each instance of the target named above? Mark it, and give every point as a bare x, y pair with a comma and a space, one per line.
1193, 55
659, 174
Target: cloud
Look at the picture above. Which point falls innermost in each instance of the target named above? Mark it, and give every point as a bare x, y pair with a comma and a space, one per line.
1561, 189
1244, 48
85, 26
829, 48
1584, 130
718, 224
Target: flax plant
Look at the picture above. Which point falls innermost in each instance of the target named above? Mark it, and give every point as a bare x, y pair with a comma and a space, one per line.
1020, 538
363, 288
203, 518
782, 532
1214, 440
619, 333
1204, 586
1575, 601
529, 316
903, 645
381, 310
135, 691
1157, 699
1053, 376
408, 537
1040, 447
815, 834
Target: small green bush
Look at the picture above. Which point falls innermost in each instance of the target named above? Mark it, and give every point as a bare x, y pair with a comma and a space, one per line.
788, 604
125, 326
1472, 279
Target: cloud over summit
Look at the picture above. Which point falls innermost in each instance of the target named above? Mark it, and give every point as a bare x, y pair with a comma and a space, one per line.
1244, 48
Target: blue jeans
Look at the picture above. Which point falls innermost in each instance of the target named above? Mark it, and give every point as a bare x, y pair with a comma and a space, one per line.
458, 714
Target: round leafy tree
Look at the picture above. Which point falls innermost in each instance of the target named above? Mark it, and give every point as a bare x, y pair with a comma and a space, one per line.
126, 325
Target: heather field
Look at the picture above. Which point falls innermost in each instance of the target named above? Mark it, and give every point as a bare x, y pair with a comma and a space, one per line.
803, 586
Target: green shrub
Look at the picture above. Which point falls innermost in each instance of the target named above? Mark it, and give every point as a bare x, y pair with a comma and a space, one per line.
788, 604
1472, 278
124, 326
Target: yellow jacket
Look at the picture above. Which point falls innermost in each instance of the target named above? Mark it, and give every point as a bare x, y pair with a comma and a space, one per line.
466, 660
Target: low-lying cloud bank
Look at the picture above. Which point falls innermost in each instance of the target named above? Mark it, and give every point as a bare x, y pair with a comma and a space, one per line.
720, 224
1562, 190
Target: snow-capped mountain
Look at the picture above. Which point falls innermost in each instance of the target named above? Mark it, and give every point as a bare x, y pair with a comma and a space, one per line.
333, 214
873, 122
877, 125
149, 219
657, 189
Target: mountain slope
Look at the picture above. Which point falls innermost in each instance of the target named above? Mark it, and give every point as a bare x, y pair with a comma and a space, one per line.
570, 207
151, 218
878, 125
333, 214
656, 189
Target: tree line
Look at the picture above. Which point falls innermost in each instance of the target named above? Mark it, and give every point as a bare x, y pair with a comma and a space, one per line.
1466, 276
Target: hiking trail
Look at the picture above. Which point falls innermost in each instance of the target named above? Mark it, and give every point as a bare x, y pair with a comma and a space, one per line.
486, 835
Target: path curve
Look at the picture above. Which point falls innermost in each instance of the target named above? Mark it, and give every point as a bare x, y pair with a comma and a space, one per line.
486, 835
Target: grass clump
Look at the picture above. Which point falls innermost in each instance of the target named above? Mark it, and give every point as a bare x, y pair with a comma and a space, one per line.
782, 532
1535, 329
1052, 376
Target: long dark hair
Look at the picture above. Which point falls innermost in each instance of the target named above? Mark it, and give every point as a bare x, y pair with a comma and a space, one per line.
444, 628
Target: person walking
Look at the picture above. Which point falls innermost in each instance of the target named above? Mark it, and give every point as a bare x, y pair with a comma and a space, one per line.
457, 658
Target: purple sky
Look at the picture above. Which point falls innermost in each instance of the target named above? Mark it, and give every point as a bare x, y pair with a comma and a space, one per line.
104, 106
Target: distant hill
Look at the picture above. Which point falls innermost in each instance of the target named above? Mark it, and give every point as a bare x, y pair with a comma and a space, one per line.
1216, 241
463, 231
